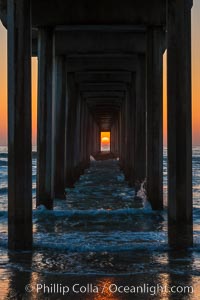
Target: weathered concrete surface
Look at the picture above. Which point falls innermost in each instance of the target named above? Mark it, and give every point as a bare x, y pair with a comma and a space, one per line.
103, 12
106, 76
130, 162
88, 40
71, 130
155, 118
103, 86
19, 126
140, 121
3, 12
179, 118
45, 119
60, 127
89, 12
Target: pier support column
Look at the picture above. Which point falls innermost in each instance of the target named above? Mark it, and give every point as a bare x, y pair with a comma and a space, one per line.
127, 117
112, 139
81, 136
94, 138
60, 127
155, 118
19, 126
132, 130
179, 124
71, 130
77, 146
118, 134
140, 120
45, 126
87, 137
122, 136
97, 138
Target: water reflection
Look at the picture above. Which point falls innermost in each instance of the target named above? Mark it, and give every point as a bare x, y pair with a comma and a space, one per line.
196, 287
4, 283
180, 236
163, 281
100, 233
181, 265
105, 294
19, 278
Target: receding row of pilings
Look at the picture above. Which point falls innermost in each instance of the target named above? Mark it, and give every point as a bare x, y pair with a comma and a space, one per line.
67, 133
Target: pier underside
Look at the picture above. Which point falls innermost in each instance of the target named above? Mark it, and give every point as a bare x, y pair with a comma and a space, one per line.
100, 69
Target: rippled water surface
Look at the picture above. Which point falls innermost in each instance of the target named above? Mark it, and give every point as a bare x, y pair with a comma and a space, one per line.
99, 235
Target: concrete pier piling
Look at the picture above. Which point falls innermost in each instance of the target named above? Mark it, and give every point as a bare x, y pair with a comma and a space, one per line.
19, 126
60, 129
179, 123
45, 147
155, 117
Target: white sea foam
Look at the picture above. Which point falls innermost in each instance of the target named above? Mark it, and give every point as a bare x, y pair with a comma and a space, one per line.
100, 241
41, 208
94, 212
143, 195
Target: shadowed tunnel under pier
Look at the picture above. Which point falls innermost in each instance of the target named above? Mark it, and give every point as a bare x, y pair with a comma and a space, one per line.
100, 69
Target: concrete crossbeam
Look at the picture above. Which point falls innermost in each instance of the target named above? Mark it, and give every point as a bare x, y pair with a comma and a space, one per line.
103, 12
109, 76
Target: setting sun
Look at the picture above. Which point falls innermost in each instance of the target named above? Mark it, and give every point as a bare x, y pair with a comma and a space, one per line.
105, 141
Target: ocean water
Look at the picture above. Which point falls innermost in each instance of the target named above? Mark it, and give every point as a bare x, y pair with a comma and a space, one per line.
100, 236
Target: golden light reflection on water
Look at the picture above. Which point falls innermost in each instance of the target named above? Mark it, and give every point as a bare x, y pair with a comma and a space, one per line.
161, 259
196, 286
163, 281
35, 228
4, 283
34, 280
104, 294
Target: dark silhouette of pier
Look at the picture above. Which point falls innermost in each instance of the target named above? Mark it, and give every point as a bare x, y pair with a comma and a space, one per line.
100, 68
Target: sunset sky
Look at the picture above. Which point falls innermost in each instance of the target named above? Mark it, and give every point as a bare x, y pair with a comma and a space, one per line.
195, 83
105, 137
105, 141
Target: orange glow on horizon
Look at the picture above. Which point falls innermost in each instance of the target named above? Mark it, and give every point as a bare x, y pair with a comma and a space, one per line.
105, 141
105, 137
3, 90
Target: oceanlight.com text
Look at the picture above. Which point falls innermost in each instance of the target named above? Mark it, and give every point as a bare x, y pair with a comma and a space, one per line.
89, 288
